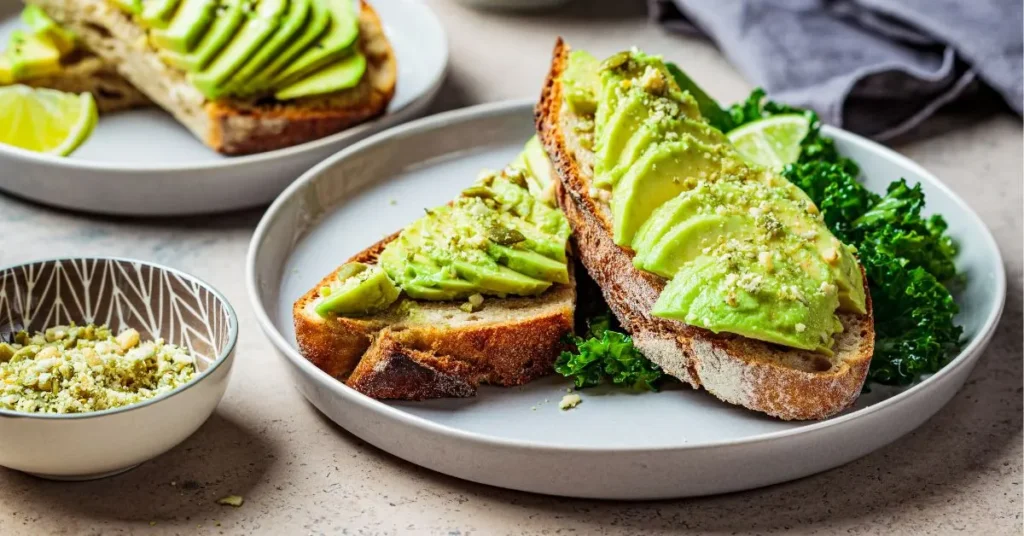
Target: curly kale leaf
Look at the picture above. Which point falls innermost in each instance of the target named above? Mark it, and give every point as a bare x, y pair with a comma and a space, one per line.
607, 355
894, 225
915, 332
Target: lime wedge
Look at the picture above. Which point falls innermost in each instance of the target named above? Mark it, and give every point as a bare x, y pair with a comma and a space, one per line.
772, 142
45, 120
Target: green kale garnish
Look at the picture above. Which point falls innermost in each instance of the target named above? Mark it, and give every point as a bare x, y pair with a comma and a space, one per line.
834, 189
606, 355
894, 225
914, 329
908, 258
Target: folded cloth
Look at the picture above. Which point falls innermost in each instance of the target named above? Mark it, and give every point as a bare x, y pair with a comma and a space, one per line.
877, 67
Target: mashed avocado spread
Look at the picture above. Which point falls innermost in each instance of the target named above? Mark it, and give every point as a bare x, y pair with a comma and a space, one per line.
745, 250
502, 236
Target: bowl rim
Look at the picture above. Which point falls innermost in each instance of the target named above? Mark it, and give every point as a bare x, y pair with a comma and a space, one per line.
338, 389
429, 19
222, 356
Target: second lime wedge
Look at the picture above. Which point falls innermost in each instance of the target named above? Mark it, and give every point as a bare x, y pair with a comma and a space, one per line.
45, 120
772, 142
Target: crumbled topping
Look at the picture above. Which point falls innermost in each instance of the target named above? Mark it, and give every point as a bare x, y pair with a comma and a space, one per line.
231, 500
653, 81
78, 369
569, 401
830, 255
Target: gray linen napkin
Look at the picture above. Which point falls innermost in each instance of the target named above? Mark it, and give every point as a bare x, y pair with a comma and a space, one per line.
877, 67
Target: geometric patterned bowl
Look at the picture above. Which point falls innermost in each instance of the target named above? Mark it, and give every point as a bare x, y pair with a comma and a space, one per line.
157, 301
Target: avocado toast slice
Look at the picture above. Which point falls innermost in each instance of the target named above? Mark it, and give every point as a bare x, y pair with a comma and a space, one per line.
487, 296
44, 55
205, 76
85, 73
781, 381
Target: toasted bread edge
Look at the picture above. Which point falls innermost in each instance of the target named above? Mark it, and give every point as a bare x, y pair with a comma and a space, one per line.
737, 370
411, 361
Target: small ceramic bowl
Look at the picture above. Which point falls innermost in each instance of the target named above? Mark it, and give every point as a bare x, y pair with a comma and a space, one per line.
157, 301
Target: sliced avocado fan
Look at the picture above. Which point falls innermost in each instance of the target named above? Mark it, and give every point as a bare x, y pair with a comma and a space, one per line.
286, 49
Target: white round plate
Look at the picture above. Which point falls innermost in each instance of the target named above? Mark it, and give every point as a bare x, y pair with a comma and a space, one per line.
615, 445
143, 163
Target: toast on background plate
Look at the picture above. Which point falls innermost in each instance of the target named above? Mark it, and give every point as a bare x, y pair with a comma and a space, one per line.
42, 54
453, 326
90, 74
284, 74
781, 381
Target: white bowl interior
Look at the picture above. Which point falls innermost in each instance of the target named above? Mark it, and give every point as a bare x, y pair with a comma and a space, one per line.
121, 294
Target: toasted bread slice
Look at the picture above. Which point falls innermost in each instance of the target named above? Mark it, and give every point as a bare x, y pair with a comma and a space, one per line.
231, 126
417, 350
86, 73
782, 382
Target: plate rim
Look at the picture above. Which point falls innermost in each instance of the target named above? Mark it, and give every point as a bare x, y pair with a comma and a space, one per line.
440, 121
396, 116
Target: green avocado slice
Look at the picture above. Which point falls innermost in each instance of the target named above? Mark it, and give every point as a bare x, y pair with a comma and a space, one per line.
650, 133
635, 126
622, 122
42, 25
32, 56
295, 21
158, 13
255, 31
319, 22
6, 75
421, 278
229, 16
538, 166
665, 170
128, 6
706, 293
582, 82
686, 240
332, 46
344, 74
187, 27
530, 263
360, 289
499, 279
661, 221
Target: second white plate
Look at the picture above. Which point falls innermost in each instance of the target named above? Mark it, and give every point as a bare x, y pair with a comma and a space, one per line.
617, 445
143, 163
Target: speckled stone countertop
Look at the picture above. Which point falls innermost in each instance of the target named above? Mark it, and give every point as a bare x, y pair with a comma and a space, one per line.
301, 474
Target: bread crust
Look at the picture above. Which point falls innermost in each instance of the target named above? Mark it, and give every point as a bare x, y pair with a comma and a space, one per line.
395, 355
785, 383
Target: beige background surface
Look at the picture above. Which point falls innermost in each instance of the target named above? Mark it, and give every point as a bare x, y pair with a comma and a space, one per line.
300, 474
